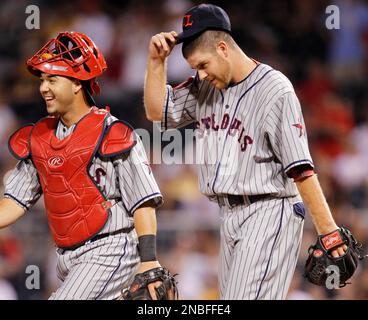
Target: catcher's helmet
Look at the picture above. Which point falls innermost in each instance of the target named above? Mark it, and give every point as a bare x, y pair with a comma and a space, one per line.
70, 54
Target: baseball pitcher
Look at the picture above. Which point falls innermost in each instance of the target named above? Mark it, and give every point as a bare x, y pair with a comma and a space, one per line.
254, 158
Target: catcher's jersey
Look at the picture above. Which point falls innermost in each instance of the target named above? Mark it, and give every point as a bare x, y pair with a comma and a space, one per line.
247, 136
127, 180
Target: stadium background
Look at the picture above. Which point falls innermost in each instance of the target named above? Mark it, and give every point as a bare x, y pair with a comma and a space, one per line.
328, 68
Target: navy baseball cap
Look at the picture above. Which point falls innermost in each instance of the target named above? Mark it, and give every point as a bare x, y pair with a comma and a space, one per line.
201, 18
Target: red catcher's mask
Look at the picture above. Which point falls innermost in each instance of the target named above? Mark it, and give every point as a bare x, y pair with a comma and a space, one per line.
70, 54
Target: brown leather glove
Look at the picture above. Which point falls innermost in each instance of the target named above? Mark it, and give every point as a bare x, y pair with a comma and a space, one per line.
138, 290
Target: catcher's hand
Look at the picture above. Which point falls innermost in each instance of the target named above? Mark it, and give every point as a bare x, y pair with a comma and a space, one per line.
320, 257
138, 290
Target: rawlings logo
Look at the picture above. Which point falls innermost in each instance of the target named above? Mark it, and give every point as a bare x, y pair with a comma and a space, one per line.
59, 68
332, 240
134, 287
318, 253
101, 111
56, 161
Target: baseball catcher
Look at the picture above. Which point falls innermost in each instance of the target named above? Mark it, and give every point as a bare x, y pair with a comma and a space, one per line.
143, 284
92, 170
320, 260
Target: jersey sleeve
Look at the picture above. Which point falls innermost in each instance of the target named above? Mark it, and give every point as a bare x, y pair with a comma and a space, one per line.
287, 134
23, 185
136, 181
179, 109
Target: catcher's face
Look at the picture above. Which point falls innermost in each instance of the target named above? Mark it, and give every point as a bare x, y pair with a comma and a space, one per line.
58, 92
213, 66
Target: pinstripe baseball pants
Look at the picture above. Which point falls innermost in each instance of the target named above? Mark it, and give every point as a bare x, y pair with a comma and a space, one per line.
97, 270
259, 249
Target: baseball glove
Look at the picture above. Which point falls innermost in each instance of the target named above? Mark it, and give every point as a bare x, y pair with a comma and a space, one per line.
138, 290
320, 258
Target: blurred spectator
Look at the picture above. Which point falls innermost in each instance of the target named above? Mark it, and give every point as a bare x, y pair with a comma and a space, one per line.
296, 291
137, 25
193, 257
347, 52
7, 291
362, 286
11, 255
316, 85
11, 262
8, 124
93, 22
330, 121
178, 69
351, 175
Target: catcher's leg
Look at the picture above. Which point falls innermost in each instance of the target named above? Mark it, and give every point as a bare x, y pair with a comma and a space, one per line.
266, 251
97, 270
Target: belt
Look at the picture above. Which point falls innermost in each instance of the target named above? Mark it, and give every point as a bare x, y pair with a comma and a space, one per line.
233, 200
98, 237
105, 235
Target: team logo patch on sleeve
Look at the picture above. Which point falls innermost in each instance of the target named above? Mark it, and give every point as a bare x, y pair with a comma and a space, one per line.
184, 84
148, 166
300, 127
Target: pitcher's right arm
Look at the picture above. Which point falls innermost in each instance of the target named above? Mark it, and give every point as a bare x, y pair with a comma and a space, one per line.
171, 107
160, 48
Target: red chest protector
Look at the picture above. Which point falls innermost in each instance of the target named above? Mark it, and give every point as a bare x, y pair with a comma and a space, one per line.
76, 208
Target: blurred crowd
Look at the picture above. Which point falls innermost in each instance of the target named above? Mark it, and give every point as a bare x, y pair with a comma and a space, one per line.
328, 68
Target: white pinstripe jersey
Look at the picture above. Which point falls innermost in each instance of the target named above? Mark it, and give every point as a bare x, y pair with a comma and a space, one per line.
127, 179
248, 135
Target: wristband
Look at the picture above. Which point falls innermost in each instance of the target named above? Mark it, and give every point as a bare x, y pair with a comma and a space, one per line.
147, 247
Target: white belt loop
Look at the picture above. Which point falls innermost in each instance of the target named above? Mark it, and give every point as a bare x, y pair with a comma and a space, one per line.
246, 200
226, 201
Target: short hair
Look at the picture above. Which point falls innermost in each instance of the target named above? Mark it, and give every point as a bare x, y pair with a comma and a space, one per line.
207, 39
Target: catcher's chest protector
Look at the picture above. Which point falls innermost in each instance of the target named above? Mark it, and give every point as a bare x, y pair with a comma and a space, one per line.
72, 200
76, 209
